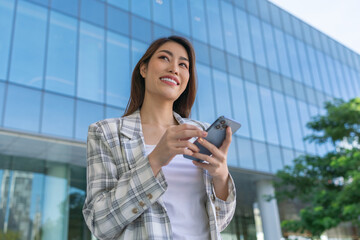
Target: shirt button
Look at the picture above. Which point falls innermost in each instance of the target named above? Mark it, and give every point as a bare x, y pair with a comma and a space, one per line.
141, 203
149, 196
217, 208
135, 210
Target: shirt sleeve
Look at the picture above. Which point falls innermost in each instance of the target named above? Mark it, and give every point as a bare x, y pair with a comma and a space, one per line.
116, 198
225, 209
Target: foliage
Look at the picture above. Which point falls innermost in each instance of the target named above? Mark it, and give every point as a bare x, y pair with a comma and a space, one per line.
329, 184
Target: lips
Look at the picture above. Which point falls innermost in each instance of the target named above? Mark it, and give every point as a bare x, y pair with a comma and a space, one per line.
170, 79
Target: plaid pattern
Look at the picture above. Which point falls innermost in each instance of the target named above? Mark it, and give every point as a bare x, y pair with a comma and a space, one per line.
124, 197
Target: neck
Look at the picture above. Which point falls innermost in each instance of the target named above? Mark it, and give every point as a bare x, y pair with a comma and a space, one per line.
157, 112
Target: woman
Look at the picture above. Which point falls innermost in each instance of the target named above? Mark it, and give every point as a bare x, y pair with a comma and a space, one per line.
139, 184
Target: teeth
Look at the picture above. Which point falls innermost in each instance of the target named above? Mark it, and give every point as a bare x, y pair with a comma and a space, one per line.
169, 80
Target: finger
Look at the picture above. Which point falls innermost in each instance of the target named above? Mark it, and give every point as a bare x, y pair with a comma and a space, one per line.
205, 166
211, 147
183, 151
190, 134
187, 144
185, 127
226, 143
206, 158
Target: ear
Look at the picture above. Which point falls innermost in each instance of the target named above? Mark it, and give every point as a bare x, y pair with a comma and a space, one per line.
143, 68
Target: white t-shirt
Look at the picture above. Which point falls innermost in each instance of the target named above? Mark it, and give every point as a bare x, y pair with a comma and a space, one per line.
185, 199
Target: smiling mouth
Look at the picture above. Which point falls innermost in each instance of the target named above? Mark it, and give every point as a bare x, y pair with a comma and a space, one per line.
169, 80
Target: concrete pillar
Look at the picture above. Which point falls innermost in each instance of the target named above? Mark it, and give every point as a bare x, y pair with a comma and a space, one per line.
268, 210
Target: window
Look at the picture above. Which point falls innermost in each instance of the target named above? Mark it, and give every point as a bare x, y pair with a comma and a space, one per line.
245, 153
271, 51
180, 16
223, 106
93, 11
244, 35
161, 12
121, 4
282, 53
254, 112
201, 52
231, 41
137, 51
214, 23
261, 156
276, 161
112, 112
270, 122
314, 68
6, 17
205, 95
58, 115
86, 114
289, 156
118, 77
61, 55
305, 118
159, 31
304, 63
91, 63
239, 105
22, 110
293, 57
141, 8
66, 6
218, 59
118, 20
2, 96
198, 24
140, 29
27, 63
295, 124
257, 39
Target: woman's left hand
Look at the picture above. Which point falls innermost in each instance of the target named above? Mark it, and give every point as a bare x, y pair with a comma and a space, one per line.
216, 163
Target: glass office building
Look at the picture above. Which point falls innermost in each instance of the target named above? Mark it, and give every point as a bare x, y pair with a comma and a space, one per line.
67, 63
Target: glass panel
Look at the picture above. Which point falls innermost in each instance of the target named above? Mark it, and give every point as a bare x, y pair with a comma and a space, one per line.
223, 106
159, 32
323, 72
255, 115
58, 115
198, 24
93, 11
300, 91
332, 76
251, 6
307, 34
118, 79
257, 39
239, 105
305, 118
263, 76
161, 12
276, 82
214, 23
202, 52
282, 51
289, 156
22, 108
271, 52
231, 42
234, 66
269, 116
66, 6
217, 59
261, 157
141, 8
288, 85
286, 20
6, 17
283, 123
91, 63
55, 208
115, 17
296, 23
2, 96
140, 29
232, 158
112, 112
314, 68
244, 35
276, 161
137, 51
27, 65
275, 15
295, 124
180, 16
205, 93
249, 71
293, 57
245, 153
304, 63
121, 4
61, 59
86, 114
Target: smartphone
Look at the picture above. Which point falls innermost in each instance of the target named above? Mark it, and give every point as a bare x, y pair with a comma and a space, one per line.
216, 135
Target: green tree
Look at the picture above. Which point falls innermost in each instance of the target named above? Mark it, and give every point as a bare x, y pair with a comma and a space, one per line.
329, 185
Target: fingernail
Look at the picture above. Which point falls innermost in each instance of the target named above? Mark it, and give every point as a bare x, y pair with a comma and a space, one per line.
200, 140
204, 134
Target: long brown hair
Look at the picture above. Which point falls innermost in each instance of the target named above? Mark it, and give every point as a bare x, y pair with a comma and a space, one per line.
183, 104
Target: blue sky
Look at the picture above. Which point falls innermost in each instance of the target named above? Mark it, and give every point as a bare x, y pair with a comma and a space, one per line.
340, 19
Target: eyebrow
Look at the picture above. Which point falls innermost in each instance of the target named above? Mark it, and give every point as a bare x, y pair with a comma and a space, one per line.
171, 54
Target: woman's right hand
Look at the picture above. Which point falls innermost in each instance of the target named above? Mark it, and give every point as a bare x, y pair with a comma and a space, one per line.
173, 142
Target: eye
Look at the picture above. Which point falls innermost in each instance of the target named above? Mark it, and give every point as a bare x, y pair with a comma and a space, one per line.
184, 65
164, 57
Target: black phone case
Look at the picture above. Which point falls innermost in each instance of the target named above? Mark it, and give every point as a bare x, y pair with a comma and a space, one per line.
216, 135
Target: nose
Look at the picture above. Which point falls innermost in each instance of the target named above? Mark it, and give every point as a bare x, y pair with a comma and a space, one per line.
174, 68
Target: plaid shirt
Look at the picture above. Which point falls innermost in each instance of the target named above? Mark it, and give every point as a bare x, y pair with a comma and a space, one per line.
124, 197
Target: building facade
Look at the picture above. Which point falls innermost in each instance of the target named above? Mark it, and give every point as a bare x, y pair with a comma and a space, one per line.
67, 63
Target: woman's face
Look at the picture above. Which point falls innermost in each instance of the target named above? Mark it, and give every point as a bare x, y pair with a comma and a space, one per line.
167, 72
